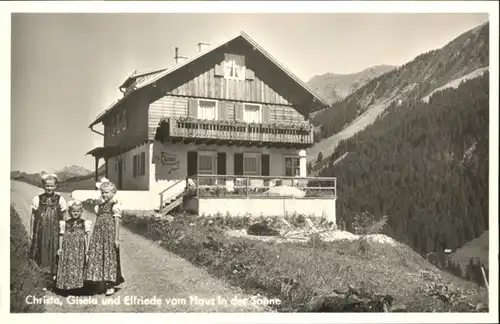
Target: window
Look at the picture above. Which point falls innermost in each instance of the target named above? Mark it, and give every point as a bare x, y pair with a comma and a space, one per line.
206, 163
292, 166
113, 125
207, 109
139, 164
252, 113
118, 122
251, 164
124, 120
234, 67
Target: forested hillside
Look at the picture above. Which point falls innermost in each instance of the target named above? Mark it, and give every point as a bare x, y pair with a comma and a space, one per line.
415, 79
425, 165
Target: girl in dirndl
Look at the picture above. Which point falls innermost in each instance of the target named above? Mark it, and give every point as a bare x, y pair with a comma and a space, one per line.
47, 209
73, 247
104, 252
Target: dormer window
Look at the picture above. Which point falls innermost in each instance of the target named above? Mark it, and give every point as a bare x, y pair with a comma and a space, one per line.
234, 67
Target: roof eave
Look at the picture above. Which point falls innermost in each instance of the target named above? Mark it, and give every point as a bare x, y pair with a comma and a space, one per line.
126, 83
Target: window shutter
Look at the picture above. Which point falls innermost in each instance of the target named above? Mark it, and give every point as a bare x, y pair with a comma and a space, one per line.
222, 113
193, 108
249, 74
266, 114
221, 163
192, 163
265, 162
135, 166
219, 70
238, 111
238, 163
143, 163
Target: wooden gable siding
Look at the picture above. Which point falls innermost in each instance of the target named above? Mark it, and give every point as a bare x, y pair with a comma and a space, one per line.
137, 122
268, 84
174, 106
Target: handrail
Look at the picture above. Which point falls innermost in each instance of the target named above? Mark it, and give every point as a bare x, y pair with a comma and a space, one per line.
264, 177
247, 185
161, 193
176, 183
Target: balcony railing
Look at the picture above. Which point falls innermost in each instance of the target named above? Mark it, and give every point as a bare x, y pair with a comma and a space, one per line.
293, 133
231, 186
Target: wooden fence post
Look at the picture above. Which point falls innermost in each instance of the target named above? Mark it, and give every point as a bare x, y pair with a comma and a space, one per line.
484, 277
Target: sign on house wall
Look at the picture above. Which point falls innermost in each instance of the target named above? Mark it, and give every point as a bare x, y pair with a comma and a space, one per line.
167, 160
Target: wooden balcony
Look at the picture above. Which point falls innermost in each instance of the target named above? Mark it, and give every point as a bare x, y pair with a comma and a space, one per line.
237, 133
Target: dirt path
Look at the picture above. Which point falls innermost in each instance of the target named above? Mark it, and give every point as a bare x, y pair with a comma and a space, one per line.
150, 271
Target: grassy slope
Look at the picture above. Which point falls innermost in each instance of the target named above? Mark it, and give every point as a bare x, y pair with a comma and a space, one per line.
477, 248
318, 268
25, 280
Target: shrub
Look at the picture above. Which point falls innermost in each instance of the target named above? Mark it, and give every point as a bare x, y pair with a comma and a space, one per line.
365, 223
25, 279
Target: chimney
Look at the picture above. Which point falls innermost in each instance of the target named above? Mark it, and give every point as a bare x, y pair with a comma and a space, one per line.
178, 58
202, 46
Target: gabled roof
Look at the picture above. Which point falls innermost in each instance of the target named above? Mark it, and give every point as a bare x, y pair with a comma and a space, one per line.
165, 72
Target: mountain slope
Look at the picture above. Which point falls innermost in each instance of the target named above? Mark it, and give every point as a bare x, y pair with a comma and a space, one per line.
412, 81
335, 87
425, 165
70, 178
74, 171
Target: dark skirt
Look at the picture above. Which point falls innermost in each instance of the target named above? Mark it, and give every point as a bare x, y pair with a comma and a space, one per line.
45, 241
70, 272
104, 258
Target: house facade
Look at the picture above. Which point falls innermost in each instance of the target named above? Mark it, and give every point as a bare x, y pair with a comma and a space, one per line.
229, 110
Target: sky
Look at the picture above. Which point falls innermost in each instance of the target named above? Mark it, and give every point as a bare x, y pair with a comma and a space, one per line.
66, 68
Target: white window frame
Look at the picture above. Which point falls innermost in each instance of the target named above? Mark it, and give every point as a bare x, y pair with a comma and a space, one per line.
258, 165
216, 113
231, 64
213, 156
295, 168
255, 105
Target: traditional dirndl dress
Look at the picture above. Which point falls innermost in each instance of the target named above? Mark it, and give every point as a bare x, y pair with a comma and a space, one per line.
71, 268
103, 257
48, 211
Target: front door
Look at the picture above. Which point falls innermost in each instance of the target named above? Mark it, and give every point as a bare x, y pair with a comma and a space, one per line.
120, 174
